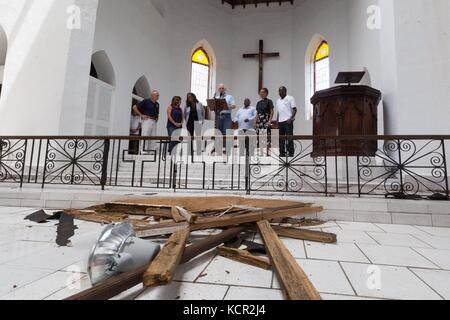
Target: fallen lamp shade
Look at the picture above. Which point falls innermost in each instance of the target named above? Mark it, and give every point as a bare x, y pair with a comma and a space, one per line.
118, 250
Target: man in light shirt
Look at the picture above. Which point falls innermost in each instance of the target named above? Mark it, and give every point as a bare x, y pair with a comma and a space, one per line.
224, 121
287, 110
246, 116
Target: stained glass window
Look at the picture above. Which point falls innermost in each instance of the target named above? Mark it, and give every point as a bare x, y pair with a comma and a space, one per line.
200, 75
200, 57
323, 51
322, 67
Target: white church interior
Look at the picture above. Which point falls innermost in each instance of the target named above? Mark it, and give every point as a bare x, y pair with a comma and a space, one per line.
370, 141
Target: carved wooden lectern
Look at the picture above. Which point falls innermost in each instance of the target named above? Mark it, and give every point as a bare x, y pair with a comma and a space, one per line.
346, 110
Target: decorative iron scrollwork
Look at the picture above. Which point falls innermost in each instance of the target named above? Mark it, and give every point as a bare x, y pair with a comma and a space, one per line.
74, 162
12, 160
300, 173
405, 169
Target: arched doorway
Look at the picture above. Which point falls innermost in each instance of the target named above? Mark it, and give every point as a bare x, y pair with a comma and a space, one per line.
141, 91
3, 50
102, 84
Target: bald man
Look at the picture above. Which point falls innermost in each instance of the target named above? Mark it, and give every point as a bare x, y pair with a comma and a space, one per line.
148, 111
223, 118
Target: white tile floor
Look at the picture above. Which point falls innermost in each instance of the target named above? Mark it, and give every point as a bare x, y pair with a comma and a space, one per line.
370, 261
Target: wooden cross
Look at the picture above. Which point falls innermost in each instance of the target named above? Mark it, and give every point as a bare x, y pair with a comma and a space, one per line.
261, 55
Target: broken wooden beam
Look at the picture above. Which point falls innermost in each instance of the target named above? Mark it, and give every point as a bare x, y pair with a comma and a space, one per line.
245, 257
162, 268
307, 235
266, 214
300, 222
210, 242
176, 215
120, 283
187, 215
228, 221
93, 216
160, 229
137, 209
293, 279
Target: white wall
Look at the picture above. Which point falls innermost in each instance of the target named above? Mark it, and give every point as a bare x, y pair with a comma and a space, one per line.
422, 31
140, 41
35, 94
190, 22
275, 28
408, 59
328, 19
3, 50
78, 64
363, 43
287, 30
132, 33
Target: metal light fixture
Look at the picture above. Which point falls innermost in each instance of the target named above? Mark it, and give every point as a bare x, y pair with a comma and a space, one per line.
118, 250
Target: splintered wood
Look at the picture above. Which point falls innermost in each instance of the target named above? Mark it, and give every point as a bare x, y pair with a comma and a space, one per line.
307, 235
162, 269
245, 257
235, 216
292, 277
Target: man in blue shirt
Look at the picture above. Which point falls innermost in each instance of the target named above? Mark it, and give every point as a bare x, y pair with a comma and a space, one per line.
148, 111
246, 116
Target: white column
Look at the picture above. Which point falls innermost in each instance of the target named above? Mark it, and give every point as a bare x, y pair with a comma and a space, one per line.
73, 111
47, 67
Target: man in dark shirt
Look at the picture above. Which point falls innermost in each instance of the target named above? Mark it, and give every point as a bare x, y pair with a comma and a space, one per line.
148, 110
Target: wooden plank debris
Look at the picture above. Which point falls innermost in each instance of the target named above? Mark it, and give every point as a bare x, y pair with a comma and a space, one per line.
118, 284
266, 214
300, 222
160, 229
244, 256
308, 235
179, 217
176, 215
210, 242
162, 269
187, 215
295, 282
137, 209
95, 217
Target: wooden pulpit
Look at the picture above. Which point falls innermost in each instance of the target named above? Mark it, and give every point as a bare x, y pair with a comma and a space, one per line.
346, 110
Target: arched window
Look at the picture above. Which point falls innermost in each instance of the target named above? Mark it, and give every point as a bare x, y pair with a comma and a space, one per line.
201, 74
321, 68
3, 48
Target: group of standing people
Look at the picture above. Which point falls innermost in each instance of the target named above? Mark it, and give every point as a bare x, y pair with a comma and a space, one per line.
260, 118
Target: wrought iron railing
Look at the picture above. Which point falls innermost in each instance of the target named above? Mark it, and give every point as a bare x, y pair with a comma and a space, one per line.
405, 167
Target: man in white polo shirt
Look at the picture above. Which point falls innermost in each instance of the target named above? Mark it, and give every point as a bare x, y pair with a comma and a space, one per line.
287, 110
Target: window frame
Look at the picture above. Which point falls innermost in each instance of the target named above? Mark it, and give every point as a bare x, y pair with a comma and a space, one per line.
315, 61
209, 65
